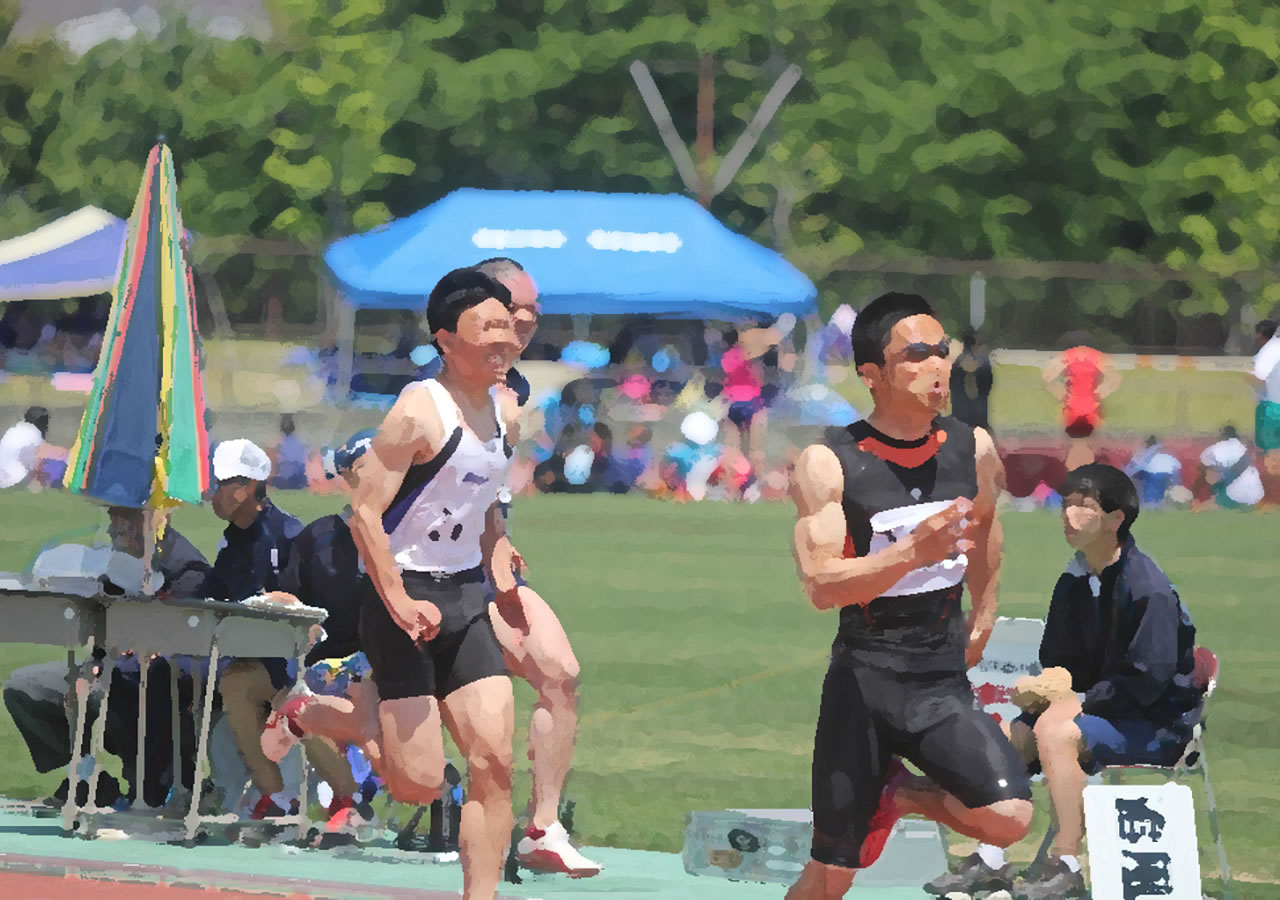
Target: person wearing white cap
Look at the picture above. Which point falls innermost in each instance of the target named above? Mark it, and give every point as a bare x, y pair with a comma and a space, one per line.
251, 557
426, 522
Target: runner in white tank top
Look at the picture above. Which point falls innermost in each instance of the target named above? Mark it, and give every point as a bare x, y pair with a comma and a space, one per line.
438, 528
427, 527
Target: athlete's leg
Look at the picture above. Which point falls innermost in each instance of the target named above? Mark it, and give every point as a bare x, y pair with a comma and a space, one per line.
352, 719
412, 749
536, 649
819, 881
479, 716
975, 782
850, 767
1001, 824
364, 695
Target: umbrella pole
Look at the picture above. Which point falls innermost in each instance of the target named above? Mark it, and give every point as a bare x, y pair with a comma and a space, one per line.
149, 585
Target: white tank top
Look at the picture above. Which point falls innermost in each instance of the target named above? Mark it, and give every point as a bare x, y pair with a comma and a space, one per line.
437, 518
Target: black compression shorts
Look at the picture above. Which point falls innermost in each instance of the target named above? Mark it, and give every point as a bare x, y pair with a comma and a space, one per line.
464, 651
869, 715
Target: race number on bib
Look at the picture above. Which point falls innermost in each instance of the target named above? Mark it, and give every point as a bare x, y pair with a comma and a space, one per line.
894, 525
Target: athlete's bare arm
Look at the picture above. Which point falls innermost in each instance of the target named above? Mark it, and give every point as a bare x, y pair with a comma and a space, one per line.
500, 557
828, 578
988, 538
509, 403
412, 430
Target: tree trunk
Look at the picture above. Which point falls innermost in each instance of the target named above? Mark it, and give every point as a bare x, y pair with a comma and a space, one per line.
706, 121
275, 313
217, 308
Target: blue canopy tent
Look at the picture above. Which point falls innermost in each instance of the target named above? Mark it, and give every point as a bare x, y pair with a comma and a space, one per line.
594, 254
76, 256
589, 253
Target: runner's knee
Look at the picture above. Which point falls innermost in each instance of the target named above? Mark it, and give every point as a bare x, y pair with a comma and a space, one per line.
489, 767
559, 674
1007, 821
411, 792
412, 782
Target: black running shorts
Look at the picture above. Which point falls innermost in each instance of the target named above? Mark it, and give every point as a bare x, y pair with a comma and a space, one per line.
465, 650
869, 715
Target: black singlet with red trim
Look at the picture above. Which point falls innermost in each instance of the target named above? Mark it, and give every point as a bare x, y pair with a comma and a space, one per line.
909, 632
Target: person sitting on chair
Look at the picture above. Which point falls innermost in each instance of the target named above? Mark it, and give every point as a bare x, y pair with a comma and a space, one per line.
36, 695
1117, 686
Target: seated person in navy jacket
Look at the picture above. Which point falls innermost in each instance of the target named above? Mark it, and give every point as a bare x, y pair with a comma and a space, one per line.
1117, 687
251, 558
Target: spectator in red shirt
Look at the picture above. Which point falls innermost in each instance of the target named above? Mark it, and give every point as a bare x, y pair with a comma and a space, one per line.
1081, 378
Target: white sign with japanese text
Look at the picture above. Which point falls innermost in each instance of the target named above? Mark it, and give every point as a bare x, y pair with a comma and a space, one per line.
1142, 842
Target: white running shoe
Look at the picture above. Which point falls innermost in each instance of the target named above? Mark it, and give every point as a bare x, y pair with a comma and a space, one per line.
550, 851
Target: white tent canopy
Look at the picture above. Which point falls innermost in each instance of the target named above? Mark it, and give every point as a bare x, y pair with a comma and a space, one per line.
77, 255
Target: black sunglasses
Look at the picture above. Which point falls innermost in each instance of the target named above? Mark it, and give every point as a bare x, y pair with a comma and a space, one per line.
919, 351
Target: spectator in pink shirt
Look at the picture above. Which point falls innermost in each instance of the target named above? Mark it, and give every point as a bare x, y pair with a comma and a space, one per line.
743, 390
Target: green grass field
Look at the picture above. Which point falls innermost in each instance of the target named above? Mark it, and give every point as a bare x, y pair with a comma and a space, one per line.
702, 663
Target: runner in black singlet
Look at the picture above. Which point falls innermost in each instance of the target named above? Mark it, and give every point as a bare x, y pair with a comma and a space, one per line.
895, 513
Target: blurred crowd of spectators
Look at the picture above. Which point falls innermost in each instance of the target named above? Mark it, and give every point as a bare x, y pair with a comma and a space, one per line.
641, 417
52, 336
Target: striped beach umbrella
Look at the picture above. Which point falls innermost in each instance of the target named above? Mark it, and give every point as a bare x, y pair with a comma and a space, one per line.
143, 442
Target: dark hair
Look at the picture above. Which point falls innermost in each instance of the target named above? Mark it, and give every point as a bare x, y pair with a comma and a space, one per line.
970, 338
286, 423
1229, 432
871, 329
1266, 329
39, 417
1110, 487
458, 292
603, 431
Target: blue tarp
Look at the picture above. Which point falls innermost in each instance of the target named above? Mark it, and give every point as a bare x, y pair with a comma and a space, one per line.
76, 256
589, 253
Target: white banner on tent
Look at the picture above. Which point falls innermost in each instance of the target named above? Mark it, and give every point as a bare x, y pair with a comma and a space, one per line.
636, 242
516, 238
1142, 842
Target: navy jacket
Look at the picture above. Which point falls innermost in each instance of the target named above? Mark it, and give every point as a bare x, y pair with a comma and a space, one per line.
1125, 638
324, 571
251, 560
